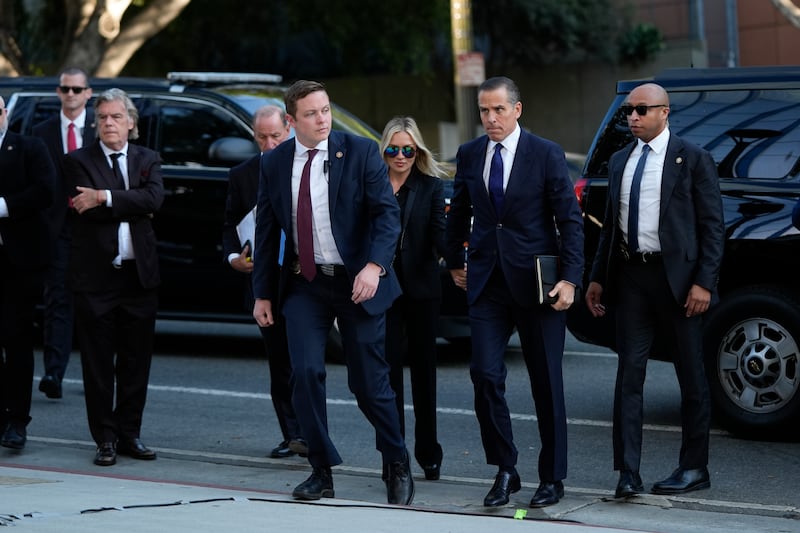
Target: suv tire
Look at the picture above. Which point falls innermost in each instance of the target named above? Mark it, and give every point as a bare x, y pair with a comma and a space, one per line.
753, 361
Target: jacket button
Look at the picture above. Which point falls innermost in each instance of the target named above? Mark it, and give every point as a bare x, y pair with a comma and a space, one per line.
499, 226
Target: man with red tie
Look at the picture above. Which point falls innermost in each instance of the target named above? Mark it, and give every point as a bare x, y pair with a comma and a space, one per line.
71, 129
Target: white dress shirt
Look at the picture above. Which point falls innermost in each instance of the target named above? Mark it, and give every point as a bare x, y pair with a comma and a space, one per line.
509, 149
80, 123
650, 192
325, 250
124, 232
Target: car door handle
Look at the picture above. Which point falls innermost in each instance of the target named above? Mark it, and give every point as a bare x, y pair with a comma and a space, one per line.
176, 191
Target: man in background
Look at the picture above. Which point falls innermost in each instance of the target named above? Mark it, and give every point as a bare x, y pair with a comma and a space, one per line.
26, 190
71, 129
270, 128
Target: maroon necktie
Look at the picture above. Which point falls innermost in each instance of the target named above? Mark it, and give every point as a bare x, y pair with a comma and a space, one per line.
72, 142
305, 236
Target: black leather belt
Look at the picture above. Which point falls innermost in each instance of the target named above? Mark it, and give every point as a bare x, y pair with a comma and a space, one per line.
332, 270
639, 258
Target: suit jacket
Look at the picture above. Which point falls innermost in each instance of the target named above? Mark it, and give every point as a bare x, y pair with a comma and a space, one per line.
241, 199
364, 216
94, 233
50, 132
421, 241
27, 182
690, 223
540, 217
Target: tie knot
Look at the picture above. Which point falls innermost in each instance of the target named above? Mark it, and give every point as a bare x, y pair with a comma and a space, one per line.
115, 155
312, 153
645, 148
497, 148
71, 126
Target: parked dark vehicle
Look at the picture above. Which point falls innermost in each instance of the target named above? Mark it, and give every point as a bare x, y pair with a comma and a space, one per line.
749, 119
200, 123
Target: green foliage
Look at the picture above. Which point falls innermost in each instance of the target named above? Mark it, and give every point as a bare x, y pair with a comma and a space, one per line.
640, 44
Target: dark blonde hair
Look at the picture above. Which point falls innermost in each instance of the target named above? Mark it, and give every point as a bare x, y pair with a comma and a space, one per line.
425, 162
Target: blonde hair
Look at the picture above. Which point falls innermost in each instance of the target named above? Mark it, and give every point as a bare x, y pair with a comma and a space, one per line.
425, 162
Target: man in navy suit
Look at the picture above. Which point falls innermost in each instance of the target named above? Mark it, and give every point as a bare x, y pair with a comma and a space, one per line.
658, 260
117, 187
71, 129
514, 190
26, 190
330, 194
270, 128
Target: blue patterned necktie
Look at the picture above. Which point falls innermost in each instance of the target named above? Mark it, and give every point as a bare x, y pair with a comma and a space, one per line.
496, 179
633, 204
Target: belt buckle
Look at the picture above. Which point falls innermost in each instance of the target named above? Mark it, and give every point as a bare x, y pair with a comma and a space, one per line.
296, 266
328, 270
645, 255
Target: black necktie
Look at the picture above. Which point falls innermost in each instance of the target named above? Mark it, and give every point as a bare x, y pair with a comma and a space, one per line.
496, 179
633, 203
117, 170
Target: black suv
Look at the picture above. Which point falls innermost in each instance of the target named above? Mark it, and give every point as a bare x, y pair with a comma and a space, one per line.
749, 119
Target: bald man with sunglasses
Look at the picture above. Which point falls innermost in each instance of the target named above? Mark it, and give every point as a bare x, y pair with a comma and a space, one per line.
658, 261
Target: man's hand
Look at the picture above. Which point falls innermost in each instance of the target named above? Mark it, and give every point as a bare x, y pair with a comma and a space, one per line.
366, 283
566, 295
697, 301
594, 295
243, 262
262, 312
459, 276
88, 199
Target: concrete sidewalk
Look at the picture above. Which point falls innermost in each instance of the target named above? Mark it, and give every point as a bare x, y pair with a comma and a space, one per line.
53, 486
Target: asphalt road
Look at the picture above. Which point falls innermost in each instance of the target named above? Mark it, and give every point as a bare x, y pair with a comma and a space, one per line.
209, 394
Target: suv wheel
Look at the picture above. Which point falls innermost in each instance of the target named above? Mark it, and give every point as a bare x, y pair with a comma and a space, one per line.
753, 361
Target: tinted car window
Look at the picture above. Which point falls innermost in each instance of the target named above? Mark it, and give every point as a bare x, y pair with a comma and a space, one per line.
188, 130
748, 132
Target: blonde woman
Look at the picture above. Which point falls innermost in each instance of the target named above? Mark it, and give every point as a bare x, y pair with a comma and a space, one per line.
414, 175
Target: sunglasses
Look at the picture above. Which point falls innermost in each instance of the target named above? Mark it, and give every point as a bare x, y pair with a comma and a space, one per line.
66, 88
392, 151
641, 110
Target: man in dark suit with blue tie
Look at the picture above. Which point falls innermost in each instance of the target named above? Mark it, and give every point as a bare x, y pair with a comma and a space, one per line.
330, 194
658, 261
513, 189
117, 188
71, 129
26, 190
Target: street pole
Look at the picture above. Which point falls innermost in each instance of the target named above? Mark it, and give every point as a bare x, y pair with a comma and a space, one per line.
467, 68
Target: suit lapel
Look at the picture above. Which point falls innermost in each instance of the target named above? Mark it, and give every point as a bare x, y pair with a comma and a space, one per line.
284, 177
336, 157
674, 160
413, 182
519, 165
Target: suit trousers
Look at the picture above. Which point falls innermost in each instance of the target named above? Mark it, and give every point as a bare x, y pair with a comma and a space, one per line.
647, 307
309, 309
58, 310
411, 339
116, 329
19, 292
280, 375
541, 330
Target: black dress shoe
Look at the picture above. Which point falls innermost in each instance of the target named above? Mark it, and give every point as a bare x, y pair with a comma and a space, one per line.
318, 485
505, 484
14, 437
299, 446
135, 448
548, 493
400, 484
281, 451
50, 386
630, 484
432, 472
106, 454
683, 480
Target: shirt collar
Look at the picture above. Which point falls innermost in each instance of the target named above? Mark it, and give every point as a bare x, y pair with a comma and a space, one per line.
657, 144
509, 143
108, 151
80, 120
300, 149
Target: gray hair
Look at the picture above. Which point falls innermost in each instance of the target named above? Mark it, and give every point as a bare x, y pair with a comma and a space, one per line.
118, 95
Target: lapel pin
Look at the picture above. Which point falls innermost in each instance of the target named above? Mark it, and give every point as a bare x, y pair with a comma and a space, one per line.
679, 160
339, 155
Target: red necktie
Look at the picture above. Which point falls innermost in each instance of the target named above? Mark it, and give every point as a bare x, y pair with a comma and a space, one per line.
305, 236
72, 142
